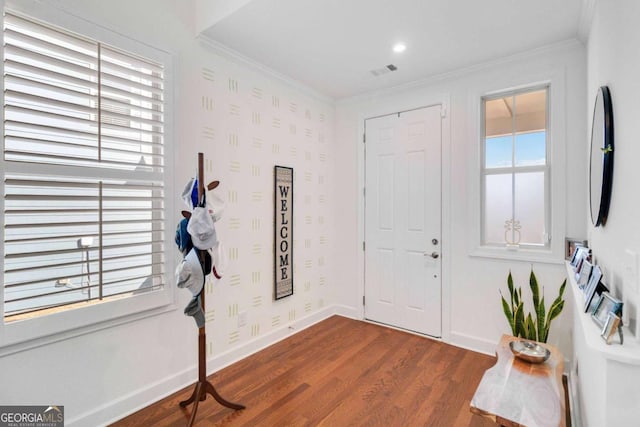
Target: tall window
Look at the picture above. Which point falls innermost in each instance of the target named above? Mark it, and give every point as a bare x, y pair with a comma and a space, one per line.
515, 170
83, 170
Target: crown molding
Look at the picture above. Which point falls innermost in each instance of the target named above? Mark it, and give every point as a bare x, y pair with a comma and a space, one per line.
586, 16
462, 72
238, 58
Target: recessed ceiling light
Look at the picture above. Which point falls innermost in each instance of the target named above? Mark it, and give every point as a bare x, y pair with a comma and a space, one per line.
399, 47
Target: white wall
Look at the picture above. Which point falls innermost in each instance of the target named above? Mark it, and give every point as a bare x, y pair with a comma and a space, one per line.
614, 43
613, 60
245, 121
472, 313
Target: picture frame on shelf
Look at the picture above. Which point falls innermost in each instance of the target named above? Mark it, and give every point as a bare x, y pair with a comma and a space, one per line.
574, 258
612, 324
585, 273
593, 297
606, 304
570, 246
594, 278
581, 254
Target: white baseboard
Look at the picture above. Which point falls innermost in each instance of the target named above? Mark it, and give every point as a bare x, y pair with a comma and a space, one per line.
346, 311
574, 401
145, 396
472, 343
119, 408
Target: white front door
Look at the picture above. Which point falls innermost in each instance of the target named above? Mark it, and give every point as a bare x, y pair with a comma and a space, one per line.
403, 220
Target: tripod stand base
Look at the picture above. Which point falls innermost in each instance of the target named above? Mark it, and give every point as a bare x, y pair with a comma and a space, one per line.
200, 393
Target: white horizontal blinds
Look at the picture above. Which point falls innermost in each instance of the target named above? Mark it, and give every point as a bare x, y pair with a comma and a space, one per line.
132, 236
44, 219
131, 111
81, 114
69, 100
51, 94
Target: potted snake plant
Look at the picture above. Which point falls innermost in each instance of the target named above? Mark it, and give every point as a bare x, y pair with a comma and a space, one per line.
525, 324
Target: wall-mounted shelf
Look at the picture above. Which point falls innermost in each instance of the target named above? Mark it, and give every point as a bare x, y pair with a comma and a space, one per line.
628, 353
605, 378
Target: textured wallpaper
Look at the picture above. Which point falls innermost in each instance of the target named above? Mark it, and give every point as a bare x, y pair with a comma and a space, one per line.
246, 123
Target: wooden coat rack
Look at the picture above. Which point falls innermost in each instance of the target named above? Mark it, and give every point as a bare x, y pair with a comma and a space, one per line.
202, 387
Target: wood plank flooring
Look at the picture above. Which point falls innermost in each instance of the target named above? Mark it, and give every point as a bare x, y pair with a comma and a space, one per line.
339, 372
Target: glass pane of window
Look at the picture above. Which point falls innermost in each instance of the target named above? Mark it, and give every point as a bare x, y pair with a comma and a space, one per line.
59, 111
529, 206
498, 206
132, 236
531, 111
530, 149
498, 152
498, 115
46, 221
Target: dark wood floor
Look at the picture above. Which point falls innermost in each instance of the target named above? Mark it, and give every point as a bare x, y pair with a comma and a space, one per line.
339, 372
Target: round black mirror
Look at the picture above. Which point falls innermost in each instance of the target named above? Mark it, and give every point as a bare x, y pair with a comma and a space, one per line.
601, 165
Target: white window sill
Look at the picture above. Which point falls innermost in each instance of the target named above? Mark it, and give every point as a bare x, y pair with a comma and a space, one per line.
518, 254
31, 333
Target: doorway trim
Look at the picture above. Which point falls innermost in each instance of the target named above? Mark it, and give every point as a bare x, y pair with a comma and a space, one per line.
383, 107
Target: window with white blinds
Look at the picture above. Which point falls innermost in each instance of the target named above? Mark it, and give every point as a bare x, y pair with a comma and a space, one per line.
83, 170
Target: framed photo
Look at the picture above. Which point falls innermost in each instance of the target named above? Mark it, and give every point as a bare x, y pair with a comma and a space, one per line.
593, 297
581, 254
570, 246
611, 325
596, 275
606, 304
574, 257
585, 274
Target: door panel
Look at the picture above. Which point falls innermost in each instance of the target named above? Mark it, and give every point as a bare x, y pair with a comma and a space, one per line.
402, 216
386, 293
416, 289
385, 192
416, 190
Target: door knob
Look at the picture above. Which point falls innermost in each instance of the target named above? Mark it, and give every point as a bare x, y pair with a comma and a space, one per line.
433, 255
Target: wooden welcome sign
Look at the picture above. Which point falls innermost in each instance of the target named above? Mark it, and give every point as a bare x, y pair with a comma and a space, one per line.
283, 253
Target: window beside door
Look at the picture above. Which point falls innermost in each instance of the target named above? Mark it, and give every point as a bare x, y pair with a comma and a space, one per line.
515, 170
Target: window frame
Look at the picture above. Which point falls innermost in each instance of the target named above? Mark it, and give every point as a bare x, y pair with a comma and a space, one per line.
33, 332
555, 78
513, 170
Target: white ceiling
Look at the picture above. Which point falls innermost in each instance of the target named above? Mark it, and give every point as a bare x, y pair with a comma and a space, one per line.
331, 45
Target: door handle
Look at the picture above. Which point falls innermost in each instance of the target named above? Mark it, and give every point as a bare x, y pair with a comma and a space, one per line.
434, 255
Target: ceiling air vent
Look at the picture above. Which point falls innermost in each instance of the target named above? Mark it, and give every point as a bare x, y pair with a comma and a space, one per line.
384, 70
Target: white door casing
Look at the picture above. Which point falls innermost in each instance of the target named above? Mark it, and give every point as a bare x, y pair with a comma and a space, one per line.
403, 218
